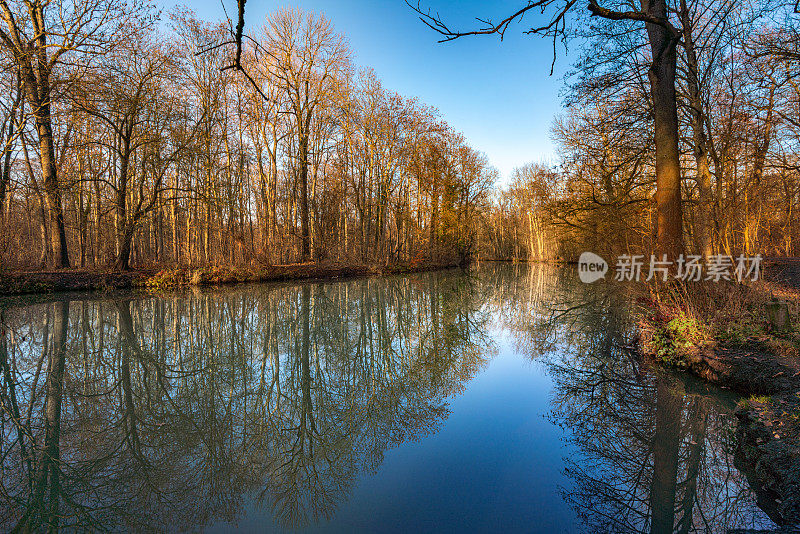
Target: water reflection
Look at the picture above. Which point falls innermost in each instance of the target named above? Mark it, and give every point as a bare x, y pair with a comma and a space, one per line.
653, 449
170, 413
172, 408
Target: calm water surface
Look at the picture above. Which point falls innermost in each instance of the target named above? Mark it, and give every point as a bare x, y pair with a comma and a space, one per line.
498, 399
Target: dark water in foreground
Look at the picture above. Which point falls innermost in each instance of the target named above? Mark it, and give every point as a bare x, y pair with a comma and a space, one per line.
501, 399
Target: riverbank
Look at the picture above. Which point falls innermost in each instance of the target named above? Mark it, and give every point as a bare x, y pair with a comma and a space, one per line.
741, 338
33, 282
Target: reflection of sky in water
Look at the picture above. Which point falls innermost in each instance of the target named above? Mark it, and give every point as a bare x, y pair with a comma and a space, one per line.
529, 415
495, 462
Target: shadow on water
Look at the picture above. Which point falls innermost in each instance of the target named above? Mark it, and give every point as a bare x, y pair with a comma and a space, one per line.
172, 413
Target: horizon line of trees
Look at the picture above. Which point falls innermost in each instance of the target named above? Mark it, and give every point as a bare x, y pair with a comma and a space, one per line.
127, 145
122, 144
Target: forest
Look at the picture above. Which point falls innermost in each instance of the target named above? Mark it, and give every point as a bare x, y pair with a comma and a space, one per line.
735, 101
133, 138
128, 141
144, 150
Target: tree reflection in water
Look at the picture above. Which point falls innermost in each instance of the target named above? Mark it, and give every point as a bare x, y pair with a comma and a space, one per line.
652, 449
152, 413
143, 413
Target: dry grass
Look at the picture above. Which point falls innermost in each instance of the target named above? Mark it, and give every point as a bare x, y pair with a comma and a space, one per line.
683, 318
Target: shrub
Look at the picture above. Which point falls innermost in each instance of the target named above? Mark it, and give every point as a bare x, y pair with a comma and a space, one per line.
220, 275
167, 279
679, 319
672, 341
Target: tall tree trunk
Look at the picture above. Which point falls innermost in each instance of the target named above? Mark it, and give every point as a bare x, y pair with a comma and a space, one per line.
58, 233
37, 82
121, 212
432, 240
98, 234
705, 209
304, 215
665, 114
176, 253
273, 196
5, 175
45, 240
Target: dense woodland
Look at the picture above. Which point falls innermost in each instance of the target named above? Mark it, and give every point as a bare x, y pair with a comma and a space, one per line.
134, 138
737, 107
151, 151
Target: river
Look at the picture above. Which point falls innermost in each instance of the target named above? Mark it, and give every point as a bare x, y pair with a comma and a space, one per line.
502, 398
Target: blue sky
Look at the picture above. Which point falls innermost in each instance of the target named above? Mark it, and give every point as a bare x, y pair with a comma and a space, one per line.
499, 94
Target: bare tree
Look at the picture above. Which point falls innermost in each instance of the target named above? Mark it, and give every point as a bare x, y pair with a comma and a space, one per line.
40, 37
663, 38
308, 59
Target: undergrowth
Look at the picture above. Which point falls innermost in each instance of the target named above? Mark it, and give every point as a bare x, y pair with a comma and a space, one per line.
677, 321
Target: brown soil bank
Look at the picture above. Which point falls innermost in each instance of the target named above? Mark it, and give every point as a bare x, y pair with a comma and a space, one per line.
768, 453
27, 282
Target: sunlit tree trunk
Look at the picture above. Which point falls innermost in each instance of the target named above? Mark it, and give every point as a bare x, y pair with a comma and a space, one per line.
305, 238
47, 160
661, 75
